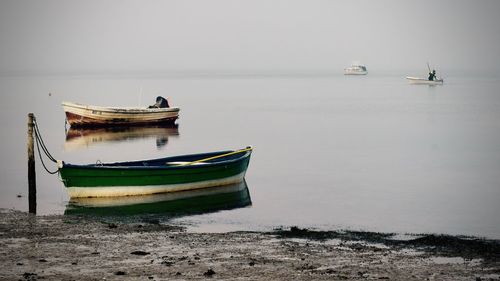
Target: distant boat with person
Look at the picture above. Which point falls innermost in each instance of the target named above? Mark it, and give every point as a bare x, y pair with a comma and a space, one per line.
81, 115
356, 69
424, 81
432, 78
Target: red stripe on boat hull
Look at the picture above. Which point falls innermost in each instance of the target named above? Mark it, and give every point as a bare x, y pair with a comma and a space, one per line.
76, 120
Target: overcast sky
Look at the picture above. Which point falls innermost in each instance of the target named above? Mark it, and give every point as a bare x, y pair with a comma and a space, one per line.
60, 36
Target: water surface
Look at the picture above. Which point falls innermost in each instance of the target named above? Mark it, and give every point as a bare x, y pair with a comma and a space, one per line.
364, 153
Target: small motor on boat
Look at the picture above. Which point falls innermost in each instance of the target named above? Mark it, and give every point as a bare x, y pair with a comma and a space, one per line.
161, 102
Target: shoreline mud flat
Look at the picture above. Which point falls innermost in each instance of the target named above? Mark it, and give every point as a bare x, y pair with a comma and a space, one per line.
83, 248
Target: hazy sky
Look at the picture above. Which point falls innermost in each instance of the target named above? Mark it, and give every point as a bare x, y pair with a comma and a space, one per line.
60, 36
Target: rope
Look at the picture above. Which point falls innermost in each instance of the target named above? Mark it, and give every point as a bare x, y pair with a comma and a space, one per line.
39, 142
41, 160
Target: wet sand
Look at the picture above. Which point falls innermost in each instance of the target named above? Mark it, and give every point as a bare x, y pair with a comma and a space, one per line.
77, 248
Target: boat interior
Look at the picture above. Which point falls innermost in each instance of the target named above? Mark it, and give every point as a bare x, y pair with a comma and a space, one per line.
184, 160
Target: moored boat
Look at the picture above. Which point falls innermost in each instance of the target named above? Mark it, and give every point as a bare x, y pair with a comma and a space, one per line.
424, 81
81, 115
176, 173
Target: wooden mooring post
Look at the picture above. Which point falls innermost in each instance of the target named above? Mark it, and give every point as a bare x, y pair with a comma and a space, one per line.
31, 166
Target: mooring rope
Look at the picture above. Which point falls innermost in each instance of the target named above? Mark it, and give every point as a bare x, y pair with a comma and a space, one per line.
39, 138
39, 142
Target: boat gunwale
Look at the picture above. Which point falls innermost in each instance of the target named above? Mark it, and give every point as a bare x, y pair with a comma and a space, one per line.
124, 110
424, 80
112, 166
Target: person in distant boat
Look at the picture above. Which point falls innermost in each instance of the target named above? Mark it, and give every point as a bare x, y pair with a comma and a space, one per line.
161, 102
432, 75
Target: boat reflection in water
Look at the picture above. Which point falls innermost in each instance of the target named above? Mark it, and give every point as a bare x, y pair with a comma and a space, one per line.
174, 204
83, 138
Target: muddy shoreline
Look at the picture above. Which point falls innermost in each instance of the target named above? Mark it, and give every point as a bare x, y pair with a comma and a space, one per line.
82, 248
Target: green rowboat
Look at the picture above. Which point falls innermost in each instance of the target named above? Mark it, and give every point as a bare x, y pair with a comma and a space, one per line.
177, 173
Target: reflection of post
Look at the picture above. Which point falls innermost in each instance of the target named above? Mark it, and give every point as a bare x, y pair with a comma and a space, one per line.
31, 167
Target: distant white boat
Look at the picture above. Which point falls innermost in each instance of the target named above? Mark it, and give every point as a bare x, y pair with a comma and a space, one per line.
424, 81
356, 69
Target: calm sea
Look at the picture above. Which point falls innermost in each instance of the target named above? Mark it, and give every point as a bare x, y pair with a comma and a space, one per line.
331, 152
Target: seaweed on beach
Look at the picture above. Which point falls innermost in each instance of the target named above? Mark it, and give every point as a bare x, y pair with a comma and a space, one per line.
463, 246
304, 233
446, 245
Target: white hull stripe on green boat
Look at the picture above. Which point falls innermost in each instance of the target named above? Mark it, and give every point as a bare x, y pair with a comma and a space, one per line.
108, 191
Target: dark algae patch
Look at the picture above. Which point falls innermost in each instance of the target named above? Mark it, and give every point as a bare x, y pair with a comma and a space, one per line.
209, 273
139, 253
444, 245
304, 233
467, 247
